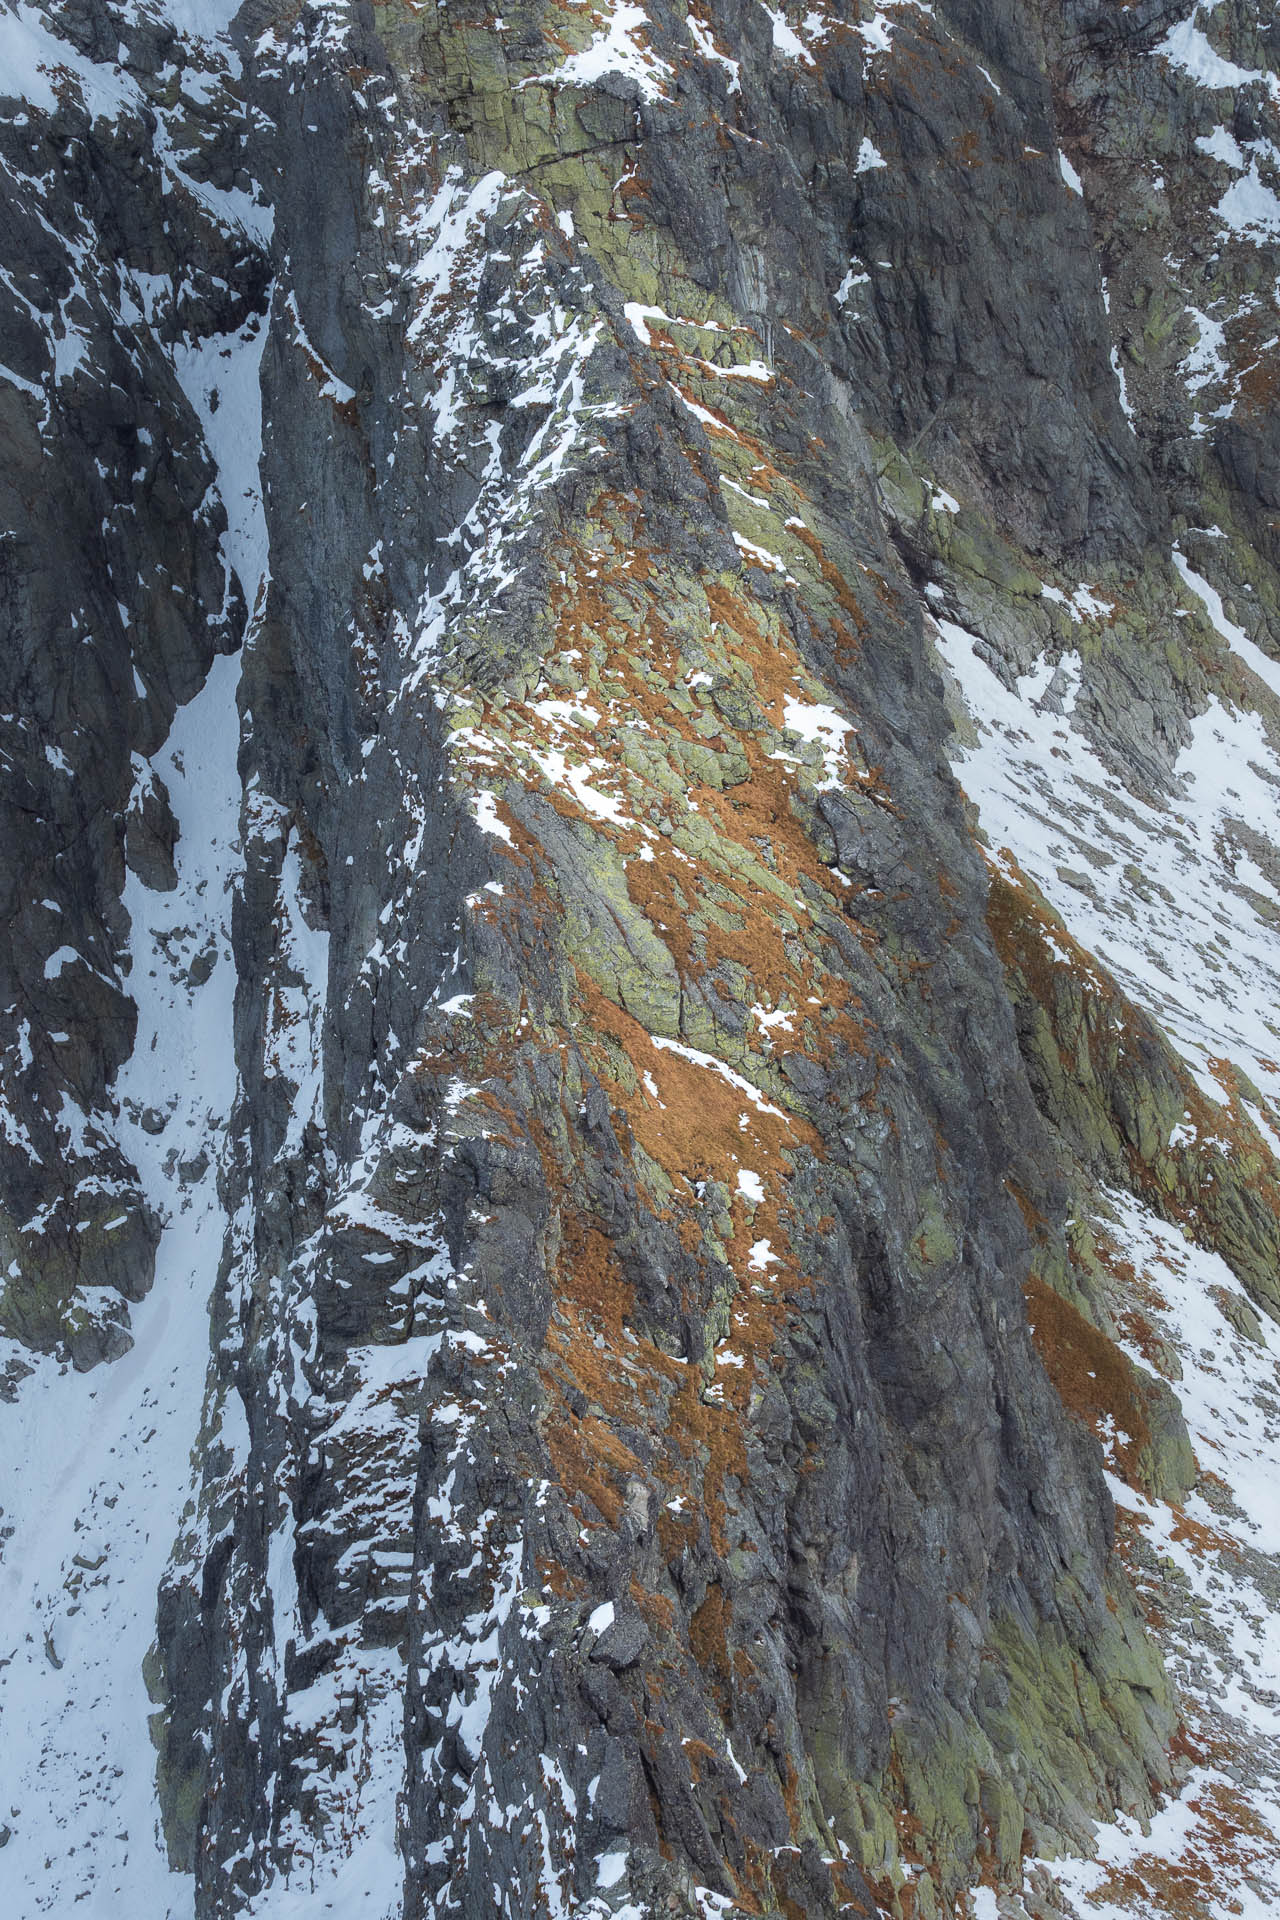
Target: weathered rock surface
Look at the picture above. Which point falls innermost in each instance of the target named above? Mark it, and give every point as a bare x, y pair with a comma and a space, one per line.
669, 1318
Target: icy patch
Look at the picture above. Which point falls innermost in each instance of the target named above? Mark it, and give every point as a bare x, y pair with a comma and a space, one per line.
445, 230
221, 377
617, 48
1267, 669
602, 806
199, 19
823, 727
330, 385
43, 69
703, 414
853, 278
485, 808
297, 1001
786, 40
638, 316
739, 370
1249, 208
700, 34
1187, 48
753, 499
726, 1073
1069, 174
767, 1020
1126, 405
1207, 361
761, 556
1163, 897
1081, 604
1222, 145
877, 31
1188, 1829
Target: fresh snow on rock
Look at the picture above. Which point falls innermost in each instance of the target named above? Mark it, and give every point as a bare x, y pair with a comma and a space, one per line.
1188, 939
1212, 1580
93, 1471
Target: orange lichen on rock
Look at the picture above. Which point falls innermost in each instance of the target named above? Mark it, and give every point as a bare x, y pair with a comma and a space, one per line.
1094, 1380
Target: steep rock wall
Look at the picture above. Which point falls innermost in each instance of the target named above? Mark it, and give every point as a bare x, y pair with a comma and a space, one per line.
629, 1477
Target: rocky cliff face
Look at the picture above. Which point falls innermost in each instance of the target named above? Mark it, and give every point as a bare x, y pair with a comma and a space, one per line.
640, 1149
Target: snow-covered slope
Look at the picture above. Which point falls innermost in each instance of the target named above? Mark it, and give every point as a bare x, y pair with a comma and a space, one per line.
1165, 894
93, 1472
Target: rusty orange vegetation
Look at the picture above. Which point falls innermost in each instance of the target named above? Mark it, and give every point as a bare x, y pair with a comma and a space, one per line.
1094, 1380
1231, 1841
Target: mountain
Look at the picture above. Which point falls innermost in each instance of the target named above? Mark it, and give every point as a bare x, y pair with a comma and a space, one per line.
640, 1020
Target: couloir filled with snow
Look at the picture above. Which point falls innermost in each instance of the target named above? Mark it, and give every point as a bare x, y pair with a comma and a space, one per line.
92, 1469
